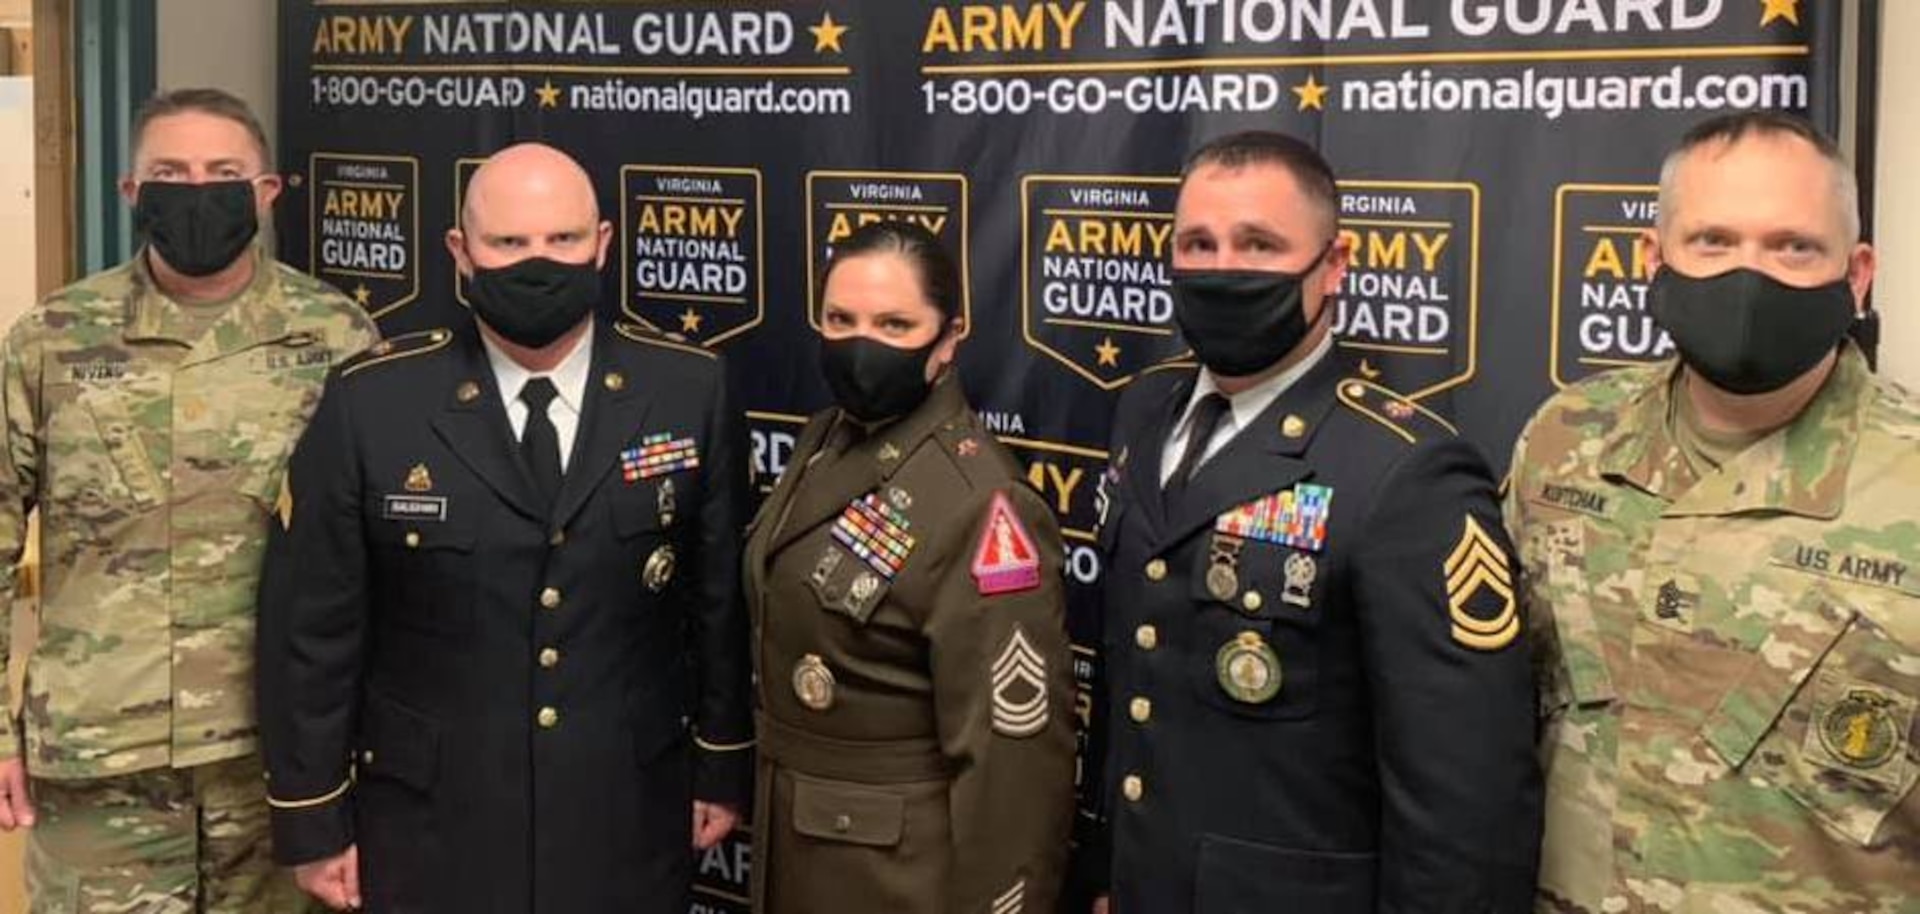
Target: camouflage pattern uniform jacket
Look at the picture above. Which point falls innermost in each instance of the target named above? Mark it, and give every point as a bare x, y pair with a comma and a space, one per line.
1730, 665
154, 453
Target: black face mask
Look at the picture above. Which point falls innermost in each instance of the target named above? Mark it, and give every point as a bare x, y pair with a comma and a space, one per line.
1746, 332
198, 229
1241, 322
535, 301
873, 381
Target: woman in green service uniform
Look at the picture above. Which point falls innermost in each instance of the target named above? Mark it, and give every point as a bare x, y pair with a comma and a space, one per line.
916, 743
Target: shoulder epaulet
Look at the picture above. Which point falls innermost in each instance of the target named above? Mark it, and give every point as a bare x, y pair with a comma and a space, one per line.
406, 345
972, 450
1400, 415
648, 337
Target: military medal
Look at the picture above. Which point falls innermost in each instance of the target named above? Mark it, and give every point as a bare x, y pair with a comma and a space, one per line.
1300, 570
1296, 518
824, 567
899, 498
813, 683
419, 479
860, 594
1223, 562
876, 533
467, 392
658, 455
665, 501
658, 572
1248, 669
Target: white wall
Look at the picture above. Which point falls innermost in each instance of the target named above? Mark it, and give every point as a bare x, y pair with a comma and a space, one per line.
1897, 191
227, 44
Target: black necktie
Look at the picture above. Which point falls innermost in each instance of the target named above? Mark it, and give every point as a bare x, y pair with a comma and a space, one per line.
540, 442
1206, 420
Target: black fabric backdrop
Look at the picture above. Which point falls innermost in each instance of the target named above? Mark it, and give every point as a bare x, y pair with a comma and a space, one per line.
1498, 158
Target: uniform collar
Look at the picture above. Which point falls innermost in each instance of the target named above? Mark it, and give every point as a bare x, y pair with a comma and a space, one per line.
253, 317
1247, 405
891, 441
569, 377
1801, 468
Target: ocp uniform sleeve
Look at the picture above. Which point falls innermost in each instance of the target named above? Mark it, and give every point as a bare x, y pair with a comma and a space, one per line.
992, 655
19, 480
1447, 662
312, 628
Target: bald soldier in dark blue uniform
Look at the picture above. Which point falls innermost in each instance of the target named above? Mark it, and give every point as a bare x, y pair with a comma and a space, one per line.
1317, 697
504, 660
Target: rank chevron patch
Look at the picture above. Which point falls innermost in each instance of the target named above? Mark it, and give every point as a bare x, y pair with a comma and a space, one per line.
1019, 688
1013, 900
1480, 591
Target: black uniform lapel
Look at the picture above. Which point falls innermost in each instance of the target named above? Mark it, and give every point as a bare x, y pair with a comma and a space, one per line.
1146, 448
610, 418
1259, 460
474, 426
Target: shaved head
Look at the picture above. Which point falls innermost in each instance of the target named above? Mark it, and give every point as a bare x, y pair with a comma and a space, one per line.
529, 200
528, 175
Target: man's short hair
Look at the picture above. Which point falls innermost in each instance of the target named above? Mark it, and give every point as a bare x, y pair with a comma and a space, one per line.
216, 102
1267, 147
1729, 129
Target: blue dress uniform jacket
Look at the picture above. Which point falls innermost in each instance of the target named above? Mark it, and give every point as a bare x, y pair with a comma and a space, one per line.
508, 708
1318, 694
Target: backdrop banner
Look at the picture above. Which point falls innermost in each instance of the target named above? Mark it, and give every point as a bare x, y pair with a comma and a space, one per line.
1498, 160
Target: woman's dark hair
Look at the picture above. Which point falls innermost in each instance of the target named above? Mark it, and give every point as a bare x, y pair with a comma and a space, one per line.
939, 277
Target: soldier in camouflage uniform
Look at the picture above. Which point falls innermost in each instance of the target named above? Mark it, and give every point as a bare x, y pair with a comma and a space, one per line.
149, 411
1722, 552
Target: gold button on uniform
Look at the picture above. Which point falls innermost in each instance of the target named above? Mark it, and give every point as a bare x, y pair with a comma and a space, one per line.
1157, 570
549, 658
413, 539
558, 537
1252, 601
548, 718
366, 757
550, 598
1133, 788
1147, 637
843, 823
1140, 709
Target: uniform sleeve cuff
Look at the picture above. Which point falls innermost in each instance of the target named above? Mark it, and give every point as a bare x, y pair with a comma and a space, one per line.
312, 828
723, 772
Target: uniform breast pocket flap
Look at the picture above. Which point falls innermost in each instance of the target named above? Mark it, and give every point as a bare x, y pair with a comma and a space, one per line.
1827, 713
848, 813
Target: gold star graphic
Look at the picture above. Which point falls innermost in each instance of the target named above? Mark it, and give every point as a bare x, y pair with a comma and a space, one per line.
549, 95
690, 321
1780, 9
1368, 371
826, 35
1109, 353
1312, 94
361, 294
